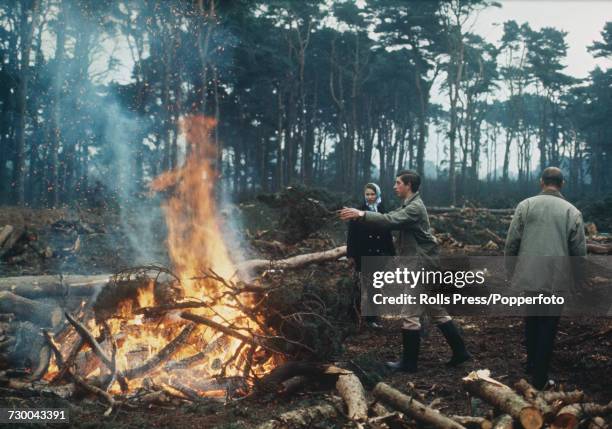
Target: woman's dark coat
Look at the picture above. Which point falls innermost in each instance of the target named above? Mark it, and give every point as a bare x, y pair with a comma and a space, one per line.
365, 240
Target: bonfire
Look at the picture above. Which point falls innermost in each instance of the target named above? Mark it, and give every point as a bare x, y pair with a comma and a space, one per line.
194, 330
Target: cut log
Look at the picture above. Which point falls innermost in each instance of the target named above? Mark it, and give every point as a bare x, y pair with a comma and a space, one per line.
567, 398
35, 389
35, 287
599, 249
534, 397
473, 422
494, 237
413, 408
41, 314
5, 233
292, 262
569, 417
598, 423
351, 390
503, 422
12, 236
302, 418
503, 398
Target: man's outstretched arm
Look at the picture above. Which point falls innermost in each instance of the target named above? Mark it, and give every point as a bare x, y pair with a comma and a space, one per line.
392, 220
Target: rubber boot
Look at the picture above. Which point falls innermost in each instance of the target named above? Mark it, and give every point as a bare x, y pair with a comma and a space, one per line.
373, 322
455, 341
531, 342
547, 330
411, 343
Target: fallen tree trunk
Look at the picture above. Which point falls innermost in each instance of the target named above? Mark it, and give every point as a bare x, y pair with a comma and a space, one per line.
413, 408
292, 262
47, 286
26, 309
80, 285
503, 398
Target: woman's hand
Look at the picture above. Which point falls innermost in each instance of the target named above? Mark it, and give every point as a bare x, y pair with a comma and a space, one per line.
348, 213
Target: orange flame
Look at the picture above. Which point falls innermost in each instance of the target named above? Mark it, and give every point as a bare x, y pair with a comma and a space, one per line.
194, 237
195, 242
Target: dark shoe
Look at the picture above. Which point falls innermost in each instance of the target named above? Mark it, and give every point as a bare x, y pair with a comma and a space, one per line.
455, 341
411, 343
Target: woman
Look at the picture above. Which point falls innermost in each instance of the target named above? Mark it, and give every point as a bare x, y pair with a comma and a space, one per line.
363, 241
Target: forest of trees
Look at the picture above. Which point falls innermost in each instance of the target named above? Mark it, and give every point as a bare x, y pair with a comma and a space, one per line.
314, 92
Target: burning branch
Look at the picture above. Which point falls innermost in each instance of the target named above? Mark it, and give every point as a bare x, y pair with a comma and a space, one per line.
97, 349
164, 354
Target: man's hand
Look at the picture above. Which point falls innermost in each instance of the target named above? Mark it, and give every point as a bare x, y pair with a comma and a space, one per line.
349, 214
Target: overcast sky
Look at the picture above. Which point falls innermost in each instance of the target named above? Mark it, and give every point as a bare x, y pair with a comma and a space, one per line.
583, 20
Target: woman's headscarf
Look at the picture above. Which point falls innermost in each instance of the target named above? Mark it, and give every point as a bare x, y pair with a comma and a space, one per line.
374, 207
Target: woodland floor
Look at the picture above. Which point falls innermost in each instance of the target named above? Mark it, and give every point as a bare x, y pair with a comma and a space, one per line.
582, 360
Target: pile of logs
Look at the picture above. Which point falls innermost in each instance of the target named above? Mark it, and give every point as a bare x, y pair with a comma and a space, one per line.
475, 229
18, 244
522, 406
59, 240
470, 229
597, 243
40, 313
533, 408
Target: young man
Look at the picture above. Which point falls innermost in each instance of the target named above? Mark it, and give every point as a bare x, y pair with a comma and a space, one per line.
545, 231
412, 222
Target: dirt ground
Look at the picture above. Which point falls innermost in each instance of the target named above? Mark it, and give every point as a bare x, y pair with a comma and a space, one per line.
495, 343
582, 357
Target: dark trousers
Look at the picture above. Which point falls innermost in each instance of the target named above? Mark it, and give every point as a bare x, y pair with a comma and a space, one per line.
358, 295
540, 332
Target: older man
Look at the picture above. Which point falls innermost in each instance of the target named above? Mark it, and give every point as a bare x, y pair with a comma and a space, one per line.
545, 231
412, 221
